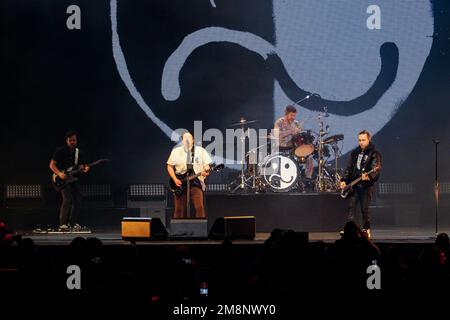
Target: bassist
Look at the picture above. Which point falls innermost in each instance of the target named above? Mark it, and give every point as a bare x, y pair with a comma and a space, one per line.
63, 158
188, 159
362, 160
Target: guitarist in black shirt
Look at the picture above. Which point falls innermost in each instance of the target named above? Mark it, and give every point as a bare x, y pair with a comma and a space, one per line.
63, 158
363, 160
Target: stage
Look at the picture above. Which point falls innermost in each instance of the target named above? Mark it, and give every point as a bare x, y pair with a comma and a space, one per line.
307, 212
384, 236
322, 215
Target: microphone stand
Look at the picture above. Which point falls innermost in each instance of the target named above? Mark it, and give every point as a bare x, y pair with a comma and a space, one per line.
189, 168
243, 181
436, 186
321, 161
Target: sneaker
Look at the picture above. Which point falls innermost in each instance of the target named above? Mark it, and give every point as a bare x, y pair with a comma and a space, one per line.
38, 230
80, 229
76, 228
64, 228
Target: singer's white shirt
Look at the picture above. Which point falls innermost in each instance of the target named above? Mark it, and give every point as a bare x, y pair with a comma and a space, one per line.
178, 158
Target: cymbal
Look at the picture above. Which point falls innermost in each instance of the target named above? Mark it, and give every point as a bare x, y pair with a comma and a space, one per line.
269, 137
333, 139
243, 122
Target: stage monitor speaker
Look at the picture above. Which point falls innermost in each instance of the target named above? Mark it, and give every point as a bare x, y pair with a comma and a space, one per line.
189, 228
238, 227
134, 229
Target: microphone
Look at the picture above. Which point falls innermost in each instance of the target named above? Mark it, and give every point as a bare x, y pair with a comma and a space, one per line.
185, 146
303, 99
436, 141
189, 158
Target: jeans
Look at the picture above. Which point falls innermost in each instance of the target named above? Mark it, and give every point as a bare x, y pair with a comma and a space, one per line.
363, 196
71, 203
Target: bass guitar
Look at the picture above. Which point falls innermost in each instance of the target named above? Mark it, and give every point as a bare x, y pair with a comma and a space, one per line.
348, 190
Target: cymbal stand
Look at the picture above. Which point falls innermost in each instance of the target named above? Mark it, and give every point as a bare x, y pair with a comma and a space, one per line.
254, 165
319, 184
241, 178
337, 176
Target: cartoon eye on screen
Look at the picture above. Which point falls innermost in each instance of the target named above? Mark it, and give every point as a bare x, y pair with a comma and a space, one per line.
321, 47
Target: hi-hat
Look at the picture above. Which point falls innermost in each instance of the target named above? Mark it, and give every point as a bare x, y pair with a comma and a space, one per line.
243, 122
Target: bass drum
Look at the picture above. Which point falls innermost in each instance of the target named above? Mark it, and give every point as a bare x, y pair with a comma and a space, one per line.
279, 172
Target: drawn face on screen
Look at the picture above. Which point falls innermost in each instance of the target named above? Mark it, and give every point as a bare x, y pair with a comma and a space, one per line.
363, 76
279, 172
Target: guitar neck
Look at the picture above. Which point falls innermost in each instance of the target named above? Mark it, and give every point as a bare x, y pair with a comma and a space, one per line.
360, 178
211, 169
89, 165
194, 176
197, 175
94, 163
355, 181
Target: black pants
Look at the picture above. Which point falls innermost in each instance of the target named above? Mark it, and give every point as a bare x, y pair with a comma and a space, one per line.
71, 203
363, 196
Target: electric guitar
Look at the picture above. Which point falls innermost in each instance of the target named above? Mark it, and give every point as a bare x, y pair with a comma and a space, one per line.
71, 172
348, 190
184, 179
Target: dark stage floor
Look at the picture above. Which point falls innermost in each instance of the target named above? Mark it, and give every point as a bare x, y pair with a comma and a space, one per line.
111, 237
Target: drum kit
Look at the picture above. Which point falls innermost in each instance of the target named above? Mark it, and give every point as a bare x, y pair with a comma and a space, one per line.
306, 167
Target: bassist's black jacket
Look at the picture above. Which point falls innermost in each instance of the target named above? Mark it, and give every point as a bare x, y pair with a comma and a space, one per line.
370, 160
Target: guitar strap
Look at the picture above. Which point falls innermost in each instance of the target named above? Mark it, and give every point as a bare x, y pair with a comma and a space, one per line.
369, 156
76, 156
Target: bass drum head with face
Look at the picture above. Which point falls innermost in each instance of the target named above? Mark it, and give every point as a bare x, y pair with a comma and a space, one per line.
280, 173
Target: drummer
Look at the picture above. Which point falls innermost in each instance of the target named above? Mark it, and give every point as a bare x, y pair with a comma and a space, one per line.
285, 128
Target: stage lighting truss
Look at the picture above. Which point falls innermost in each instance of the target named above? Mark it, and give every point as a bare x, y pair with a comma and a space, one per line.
147, 190
217, 187
395, 189
96, 191
23, 191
